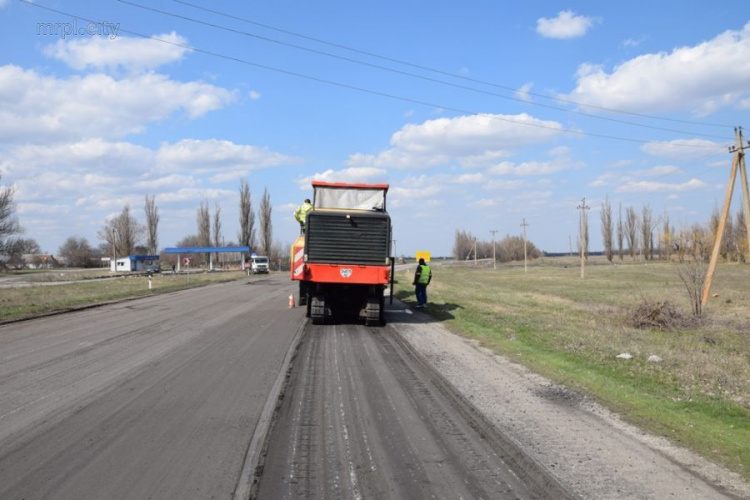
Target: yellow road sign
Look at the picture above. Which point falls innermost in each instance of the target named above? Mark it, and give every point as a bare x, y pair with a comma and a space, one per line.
423, 255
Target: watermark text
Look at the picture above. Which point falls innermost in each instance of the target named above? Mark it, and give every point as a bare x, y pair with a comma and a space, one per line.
64, 30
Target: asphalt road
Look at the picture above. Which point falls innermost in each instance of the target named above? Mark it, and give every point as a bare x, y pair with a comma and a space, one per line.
151, 398
364, 417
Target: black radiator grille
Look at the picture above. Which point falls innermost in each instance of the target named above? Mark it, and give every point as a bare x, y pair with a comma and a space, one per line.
361, 239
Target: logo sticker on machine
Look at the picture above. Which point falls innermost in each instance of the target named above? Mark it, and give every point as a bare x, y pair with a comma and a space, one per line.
345, 273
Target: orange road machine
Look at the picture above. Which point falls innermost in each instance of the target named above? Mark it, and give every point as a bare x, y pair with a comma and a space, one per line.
343, 261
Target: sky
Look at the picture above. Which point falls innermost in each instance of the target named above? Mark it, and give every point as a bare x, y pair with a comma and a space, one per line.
479, 115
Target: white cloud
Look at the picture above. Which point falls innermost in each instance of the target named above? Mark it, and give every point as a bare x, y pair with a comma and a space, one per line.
475, 178
38, 108
701, 78
216, 156
566, 25
91, 155
350, 175
561, 160
633, 42
682, 149
658, 171
462, 139
131, 54
651, 186
502, 184
485, 203
192, 194
254, 95
523, 92
620, 163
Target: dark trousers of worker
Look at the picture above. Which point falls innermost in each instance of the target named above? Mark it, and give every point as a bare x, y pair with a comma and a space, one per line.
421, 291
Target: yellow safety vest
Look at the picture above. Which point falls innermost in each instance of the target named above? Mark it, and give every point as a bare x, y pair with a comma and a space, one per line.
424, 275
301, 213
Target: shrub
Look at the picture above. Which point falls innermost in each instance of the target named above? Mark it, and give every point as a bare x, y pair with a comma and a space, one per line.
657, 315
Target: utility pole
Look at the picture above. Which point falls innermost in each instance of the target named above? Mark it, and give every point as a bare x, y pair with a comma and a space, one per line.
494, 261
737, 161
475, 251
583, 207
524, 225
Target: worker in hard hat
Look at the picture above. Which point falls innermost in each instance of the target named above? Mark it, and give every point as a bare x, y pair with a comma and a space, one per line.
301, 214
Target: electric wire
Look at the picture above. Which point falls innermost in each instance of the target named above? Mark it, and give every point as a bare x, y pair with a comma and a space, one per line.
445, 73
413, 75
219, 55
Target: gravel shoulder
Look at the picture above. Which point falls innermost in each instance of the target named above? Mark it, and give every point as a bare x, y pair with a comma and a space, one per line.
588, 448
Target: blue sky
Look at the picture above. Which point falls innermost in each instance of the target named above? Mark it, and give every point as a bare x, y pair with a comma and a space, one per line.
477, 114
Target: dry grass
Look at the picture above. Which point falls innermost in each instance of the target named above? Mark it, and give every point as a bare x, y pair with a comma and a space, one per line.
32, 300
572, 330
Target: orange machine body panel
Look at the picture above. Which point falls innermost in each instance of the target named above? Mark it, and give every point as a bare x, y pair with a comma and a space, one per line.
347, 274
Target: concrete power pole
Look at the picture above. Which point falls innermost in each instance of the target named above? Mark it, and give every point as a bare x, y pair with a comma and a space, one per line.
738, 163
494, 261
524, 225
584, 223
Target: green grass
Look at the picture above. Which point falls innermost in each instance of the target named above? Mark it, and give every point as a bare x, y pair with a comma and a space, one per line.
28, 301
571, 330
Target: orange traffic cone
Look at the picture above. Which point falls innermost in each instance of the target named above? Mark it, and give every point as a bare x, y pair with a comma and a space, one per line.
291, 300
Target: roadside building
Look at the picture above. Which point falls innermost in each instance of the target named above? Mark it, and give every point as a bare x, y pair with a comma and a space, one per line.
134, 263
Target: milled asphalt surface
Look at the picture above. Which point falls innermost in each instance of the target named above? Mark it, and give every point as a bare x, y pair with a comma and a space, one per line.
151, 398
364, 417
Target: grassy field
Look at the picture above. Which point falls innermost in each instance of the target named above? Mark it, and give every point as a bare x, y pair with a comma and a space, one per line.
31, 300
572, 330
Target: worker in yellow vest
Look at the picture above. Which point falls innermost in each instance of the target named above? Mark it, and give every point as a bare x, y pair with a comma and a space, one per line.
422, 278
301, 214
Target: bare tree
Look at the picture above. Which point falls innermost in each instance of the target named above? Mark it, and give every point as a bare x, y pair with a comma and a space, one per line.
463, 245
217, 227
667, 239
741, 236
122, 233
9, 225
21, 248
620, 233
152, 224
77, 252
693, 274
247, 217
266, 228
607, 229
631, 231
646, 236
204, 227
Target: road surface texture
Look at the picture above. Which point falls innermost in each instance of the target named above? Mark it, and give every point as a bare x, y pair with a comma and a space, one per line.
169, 396
363, 417
414, 411
151, 398
590, 450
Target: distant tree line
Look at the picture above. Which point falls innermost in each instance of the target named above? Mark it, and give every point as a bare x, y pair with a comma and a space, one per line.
509, 249
641, 236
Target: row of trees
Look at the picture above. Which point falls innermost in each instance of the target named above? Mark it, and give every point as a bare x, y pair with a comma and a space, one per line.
124, 235
641, 235
510, 248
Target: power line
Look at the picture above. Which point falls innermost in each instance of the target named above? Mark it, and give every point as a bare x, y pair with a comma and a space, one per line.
445, 73
360, 89
412, 75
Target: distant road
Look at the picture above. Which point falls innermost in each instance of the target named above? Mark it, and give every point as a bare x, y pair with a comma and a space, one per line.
151, 398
